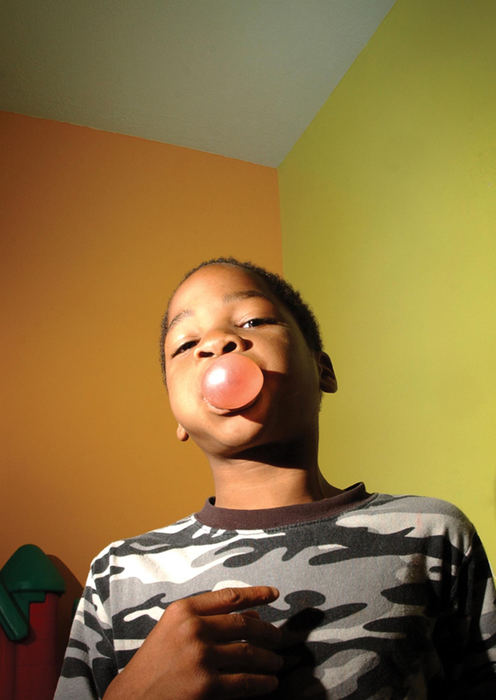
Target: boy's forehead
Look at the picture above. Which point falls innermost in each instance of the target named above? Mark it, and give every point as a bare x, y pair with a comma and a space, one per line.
218, 280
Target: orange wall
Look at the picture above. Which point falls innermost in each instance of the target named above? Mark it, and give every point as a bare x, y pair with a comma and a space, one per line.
97, 229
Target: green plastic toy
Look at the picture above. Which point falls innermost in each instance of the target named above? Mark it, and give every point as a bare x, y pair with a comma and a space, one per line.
26, 578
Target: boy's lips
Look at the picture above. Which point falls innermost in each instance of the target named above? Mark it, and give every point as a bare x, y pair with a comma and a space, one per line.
228, 412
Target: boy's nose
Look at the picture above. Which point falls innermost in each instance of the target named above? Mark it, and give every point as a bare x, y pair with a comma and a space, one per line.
218, 343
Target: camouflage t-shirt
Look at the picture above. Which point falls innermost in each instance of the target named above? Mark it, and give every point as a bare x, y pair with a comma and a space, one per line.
393, 595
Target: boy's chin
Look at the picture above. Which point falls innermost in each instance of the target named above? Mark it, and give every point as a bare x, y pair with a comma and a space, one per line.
232, 441
256, 429
253, 443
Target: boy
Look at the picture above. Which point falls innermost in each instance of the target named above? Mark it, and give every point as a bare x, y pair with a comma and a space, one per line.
358, 595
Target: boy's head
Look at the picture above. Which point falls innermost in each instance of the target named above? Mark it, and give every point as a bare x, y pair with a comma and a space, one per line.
279, 287
224, 306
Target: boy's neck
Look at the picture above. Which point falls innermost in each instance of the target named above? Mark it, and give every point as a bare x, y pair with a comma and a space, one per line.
251, 485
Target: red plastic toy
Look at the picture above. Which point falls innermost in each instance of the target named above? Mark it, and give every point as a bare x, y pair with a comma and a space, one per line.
30, 586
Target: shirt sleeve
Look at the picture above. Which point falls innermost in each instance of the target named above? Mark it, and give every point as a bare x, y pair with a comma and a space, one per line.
466, 637
89, 665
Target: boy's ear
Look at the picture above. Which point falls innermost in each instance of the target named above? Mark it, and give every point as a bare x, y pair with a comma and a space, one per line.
181, 433
328, 381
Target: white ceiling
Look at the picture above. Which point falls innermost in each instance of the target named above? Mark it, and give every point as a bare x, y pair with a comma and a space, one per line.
241, 78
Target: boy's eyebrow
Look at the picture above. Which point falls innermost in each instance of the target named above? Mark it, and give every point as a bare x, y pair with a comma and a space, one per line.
244, 294
227, 299
178, 317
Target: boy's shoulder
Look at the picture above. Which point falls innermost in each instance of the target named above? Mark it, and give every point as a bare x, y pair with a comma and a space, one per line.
176, 535
415, 516
411, 503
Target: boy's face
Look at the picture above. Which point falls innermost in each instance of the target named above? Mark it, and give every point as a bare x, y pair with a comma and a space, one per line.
223, 308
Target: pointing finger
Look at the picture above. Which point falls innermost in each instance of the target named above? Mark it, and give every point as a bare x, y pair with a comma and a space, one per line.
228, 600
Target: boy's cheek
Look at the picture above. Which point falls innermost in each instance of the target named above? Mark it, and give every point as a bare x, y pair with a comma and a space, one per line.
183, 400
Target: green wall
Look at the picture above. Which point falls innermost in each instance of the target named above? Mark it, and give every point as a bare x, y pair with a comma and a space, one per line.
388, 206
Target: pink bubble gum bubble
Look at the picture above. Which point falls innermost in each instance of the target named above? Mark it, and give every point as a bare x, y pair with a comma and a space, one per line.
232, 381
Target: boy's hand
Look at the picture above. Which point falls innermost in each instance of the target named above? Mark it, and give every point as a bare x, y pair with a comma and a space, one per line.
203, 648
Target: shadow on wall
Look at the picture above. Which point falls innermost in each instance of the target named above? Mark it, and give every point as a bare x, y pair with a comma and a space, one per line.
73, 591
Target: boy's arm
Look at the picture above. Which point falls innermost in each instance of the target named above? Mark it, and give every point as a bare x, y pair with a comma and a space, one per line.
467, 640
202, 647
89, 663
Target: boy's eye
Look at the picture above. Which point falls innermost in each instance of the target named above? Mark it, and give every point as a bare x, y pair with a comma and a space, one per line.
185, 346
254, 322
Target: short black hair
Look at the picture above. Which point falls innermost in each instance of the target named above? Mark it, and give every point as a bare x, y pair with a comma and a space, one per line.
280, 288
